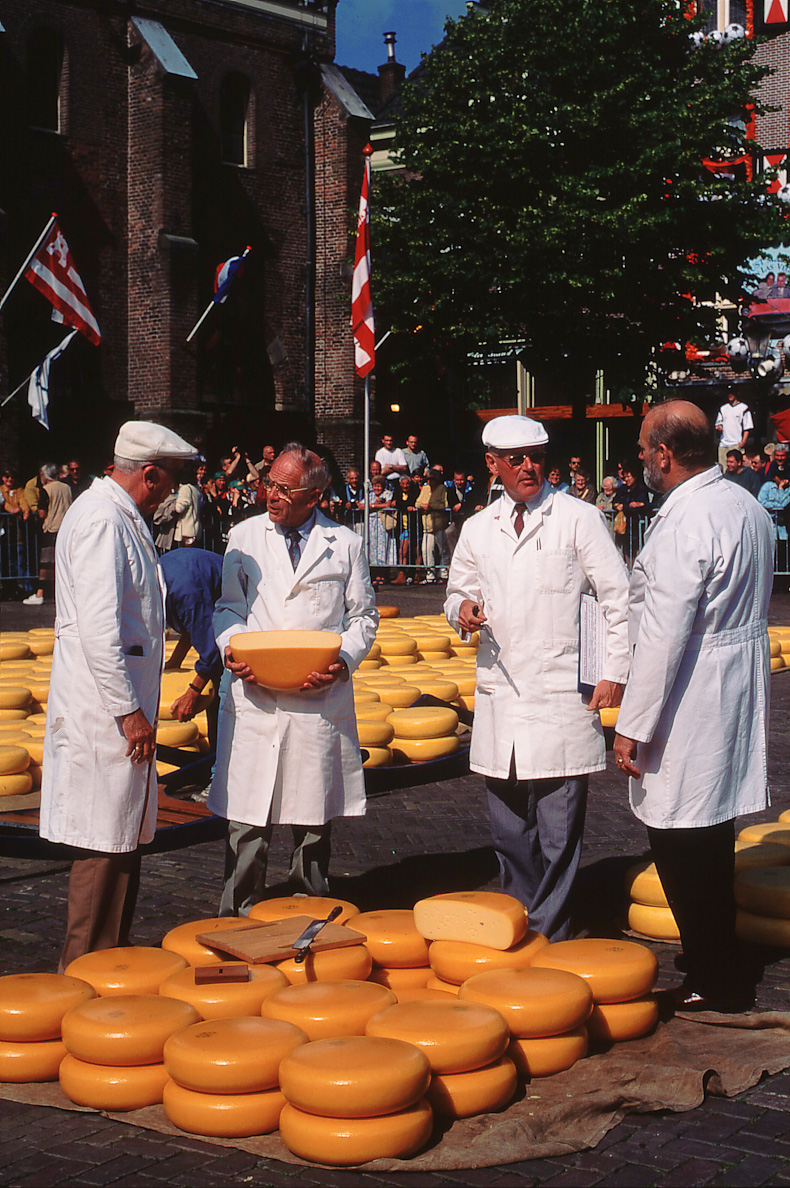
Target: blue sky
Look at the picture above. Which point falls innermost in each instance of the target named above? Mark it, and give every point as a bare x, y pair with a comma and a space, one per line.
361, 25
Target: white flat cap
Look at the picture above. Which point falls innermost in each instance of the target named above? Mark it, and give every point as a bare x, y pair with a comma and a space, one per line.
513, 432
142, 441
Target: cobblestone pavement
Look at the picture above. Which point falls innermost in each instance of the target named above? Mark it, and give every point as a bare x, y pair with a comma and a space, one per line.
413, 842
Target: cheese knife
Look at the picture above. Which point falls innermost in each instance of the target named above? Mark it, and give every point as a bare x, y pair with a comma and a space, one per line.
303, 942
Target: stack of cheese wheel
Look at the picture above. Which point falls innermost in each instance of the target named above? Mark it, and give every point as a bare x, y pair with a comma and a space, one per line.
132, 969
15, 778
762, 892
327, 965
399, 951
115, 1049
465, 1043
621, 976
223, 1076
762, 927
779, 644
32, 1007
425, 732
355, 1098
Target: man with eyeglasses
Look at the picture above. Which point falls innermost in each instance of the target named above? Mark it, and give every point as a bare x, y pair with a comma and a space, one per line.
75, 479
289, 757
517, 576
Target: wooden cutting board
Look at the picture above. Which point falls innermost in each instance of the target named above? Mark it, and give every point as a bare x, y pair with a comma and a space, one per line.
273, 941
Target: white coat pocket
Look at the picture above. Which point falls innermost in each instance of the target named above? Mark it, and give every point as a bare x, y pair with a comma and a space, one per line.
554, 570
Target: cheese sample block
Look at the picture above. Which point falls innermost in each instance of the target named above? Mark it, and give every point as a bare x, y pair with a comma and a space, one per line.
421, 750
772, 831
455, 961
546, 1055
344, 1142
355, 1076
133, 969
534, 1002
455, 1036
231, 1055
125, 1030
330, 965
225, 1000
658, 923
23, 1063
326, 1010
398, 979
426, 721
644, 886
615, 1022
222, 1115
762, 930
181, 939
392, 938
481, 1091
478, 917
765, 891
32, 1005
614, 970
316, 906
108, 1087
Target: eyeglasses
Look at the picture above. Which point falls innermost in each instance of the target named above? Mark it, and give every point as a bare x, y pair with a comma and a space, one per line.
281, 489
515, 461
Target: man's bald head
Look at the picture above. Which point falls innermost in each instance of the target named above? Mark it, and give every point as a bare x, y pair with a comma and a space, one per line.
676, 442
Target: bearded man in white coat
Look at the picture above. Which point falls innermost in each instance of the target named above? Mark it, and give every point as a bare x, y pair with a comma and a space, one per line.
289, 757
98, 785
518, 574
692, 729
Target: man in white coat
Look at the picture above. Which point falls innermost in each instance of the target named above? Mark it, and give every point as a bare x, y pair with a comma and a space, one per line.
98, 786
692, 730
518, 574
289, 757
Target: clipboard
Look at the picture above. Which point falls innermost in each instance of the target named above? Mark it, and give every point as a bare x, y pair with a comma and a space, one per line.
592, 644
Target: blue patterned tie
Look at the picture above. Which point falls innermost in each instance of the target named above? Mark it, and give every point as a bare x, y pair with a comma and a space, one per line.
294, 546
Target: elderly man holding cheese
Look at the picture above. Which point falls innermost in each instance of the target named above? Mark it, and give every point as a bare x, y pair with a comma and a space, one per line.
520, 569
98, 787
291, 756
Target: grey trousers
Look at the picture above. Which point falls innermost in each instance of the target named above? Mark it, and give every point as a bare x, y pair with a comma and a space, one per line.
246, 858
537, 828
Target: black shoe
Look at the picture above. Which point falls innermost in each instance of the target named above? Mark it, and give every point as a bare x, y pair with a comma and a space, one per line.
685, 998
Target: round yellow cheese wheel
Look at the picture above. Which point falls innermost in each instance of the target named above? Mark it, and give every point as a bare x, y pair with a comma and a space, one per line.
35, 749
441, 687
544, 1056
762, 930
12, 715
374, 734
534, 1002
765, 891
16, 785
134, 969
455, 961
329, 965
231, 1055
326, 1010
181, 939
369, 665
609, 716
435, 983
374, 679
455, 1036
15, 738
201, 721
481, 1091
13, 650
357, 1076
399, 661
392, 938
614, 970
35, 719
467, 703
111, 1087
397, 978
176, 734
614, 1022
374, 651
398, 696
644, 886
394, 646
32, 1005
222, 1115
423, 722
13, 759
26, 1062
777, 663
35, 772
377, 711
773, 831
431, 641
377, 757
656, 922
14, 697
39, 690
343, 1142
41, 645
776, 648
749, 856
317, 907
466, 684
420, 750
785, 816
365, 697
225, 1000
125, 1029
480, 917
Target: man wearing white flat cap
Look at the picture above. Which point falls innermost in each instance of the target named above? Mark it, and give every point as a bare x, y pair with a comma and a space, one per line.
98, 787
517, 576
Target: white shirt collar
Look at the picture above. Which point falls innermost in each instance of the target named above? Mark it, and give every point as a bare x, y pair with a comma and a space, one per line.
303, 529
509, 504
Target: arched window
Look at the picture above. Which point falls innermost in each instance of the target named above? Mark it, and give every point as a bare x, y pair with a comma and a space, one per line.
45, 80
234, 119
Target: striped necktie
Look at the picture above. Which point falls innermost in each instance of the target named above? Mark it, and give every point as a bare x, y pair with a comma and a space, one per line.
518, 522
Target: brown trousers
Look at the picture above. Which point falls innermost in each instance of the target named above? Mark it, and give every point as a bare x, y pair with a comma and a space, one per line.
102, 897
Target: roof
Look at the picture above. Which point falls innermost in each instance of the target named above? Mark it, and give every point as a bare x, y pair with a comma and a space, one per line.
162, 46
344, 91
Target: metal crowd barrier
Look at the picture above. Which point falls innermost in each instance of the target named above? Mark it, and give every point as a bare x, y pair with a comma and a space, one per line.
20, 545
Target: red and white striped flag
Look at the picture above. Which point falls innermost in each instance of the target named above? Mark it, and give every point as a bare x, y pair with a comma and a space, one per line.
361, 301
53, 273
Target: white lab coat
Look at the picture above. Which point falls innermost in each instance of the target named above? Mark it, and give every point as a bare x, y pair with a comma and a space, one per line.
109, 652
697, 697
290, 757
527, 700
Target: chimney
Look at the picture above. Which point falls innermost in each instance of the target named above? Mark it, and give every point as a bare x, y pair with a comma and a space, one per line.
392, 73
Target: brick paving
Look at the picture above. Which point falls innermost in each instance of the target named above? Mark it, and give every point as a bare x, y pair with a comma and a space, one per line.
413, 842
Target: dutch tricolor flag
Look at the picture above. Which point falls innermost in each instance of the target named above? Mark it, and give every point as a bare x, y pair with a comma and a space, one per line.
225, 273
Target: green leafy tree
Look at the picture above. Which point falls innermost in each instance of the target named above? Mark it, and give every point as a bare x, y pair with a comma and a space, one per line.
554, 190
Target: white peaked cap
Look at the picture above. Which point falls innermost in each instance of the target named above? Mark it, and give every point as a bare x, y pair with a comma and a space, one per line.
142, 441
513, 433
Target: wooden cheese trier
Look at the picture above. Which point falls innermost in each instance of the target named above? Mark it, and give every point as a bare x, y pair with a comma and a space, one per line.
274, 941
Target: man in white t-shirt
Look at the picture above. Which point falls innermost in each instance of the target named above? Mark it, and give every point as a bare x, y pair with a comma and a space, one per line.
392, 460
733, 424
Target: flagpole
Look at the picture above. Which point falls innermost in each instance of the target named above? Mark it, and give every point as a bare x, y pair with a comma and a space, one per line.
22, 270
210, 305
366, 463
19, 388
